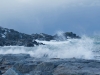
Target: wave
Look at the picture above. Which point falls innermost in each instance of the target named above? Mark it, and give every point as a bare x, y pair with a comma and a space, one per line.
72, 48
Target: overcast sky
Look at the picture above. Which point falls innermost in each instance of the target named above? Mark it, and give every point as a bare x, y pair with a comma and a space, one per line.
50, 16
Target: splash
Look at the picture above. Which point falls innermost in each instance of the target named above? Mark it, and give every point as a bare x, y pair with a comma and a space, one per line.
71, 48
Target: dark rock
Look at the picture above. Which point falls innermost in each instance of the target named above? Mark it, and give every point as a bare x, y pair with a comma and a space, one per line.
2, 41
47, 37
65, 36
10, 37
29, 44
32, 44
11, 72
71, 35
42, 36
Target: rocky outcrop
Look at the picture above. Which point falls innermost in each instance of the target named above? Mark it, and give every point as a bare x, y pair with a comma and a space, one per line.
10, 37
42, 36
23, 64
14, 38
65, 36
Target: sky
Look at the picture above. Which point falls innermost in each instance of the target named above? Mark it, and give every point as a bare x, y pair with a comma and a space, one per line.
51, 16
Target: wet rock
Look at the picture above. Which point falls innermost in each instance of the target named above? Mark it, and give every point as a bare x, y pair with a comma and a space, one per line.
55, 67
70, 34
42, 36
10, 37
11, 72
47, 37
8, 60
0, 73
65, 36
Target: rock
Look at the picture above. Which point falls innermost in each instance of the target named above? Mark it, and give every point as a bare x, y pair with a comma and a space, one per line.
47, 37
2, 41
42, 36
8, 60
32, 44
0, 73
43, 66
65, 36
70, 34
11, 72
10, 37
29, 44
32, 67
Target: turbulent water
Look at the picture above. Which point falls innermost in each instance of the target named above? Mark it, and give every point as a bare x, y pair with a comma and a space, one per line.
86, 48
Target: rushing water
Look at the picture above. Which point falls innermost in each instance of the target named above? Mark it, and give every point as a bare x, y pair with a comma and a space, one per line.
86, 48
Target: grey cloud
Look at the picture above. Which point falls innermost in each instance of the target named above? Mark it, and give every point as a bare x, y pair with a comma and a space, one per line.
35, 16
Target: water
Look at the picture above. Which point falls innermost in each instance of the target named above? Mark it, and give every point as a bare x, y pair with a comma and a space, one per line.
85, 48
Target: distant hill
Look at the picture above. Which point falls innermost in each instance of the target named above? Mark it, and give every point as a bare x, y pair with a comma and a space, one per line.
10, 37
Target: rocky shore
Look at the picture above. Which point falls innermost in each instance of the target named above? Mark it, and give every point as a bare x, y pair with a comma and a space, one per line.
10, 37
24, 64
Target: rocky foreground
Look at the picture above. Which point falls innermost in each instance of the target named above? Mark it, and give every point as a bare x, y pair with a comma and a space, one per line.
24, 64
